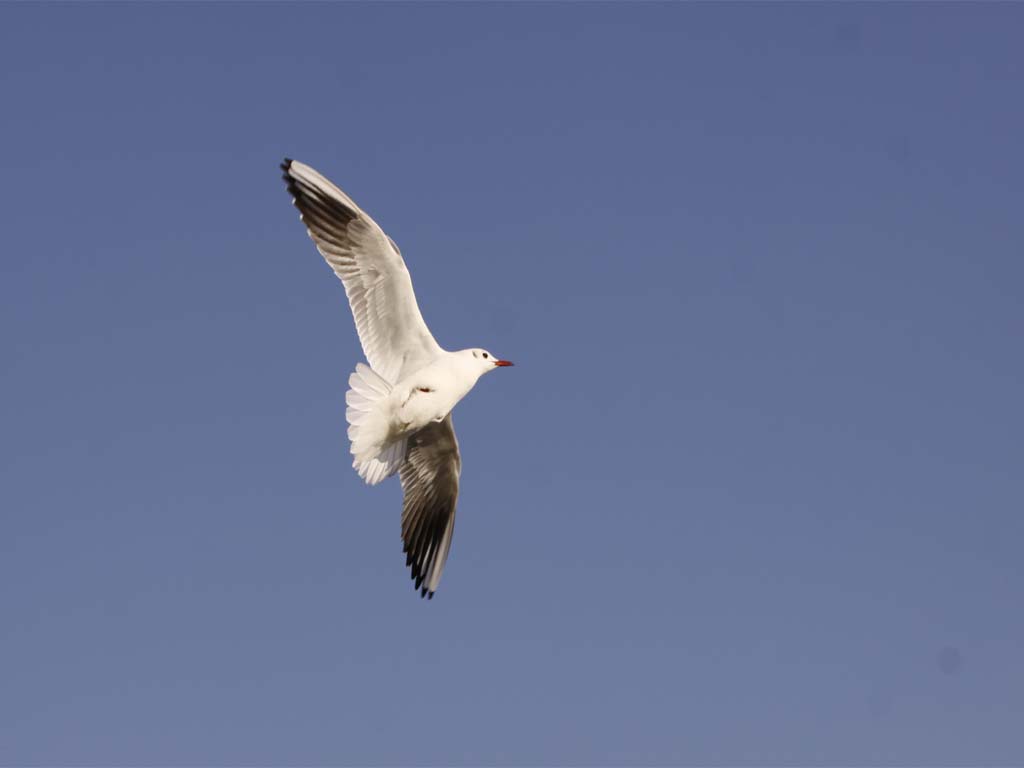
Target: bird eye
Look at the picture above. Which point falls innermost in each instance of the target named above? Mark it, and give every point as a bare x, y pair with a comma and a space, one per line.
485, 355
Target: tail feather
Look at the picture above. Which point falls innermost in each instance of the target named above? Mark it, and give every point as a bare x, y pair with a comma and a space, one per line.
376, 457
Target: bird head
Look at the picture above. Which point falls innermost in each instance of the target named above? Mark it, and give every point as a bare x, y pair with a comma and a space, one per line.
483, 361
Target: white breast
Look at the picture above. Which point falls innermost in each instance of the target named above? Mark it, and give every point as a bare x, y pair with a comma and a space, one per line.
431, 393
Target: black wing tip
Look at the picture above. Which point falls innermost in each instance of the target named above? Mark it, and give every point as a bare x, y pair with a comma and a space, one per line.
291, 182
286, 168
417, 576
425, 591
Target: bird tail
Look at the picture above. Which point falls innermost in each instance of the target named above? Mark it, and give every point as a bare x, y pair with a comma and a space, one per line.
375, 455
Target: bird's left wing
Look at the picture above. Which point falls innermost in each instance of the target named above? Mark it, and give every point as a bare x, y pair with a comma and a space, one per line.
430, 482
395, 339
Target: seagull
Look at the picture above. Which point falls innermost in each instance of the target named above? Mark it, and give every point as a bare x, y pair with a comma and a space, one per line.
399, 407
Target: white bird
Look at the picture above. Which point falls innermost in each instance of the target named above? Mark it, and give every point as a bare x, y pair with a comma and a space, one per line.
399, 407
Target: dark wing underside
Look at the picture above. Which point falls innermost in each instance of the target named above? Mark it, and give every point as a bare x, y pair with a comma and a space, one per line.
430, 482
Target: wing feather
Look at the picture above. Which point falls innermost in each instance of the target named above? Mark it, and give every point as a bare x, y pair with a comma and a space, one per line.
394, 337
430, 482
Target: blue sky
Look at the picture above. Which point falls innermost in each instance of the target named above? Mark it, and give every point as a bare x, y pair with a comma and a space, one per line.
751, 495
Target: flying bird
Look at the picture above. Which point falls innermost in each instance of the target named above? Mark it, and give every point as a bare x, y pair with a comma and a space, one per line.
399, 406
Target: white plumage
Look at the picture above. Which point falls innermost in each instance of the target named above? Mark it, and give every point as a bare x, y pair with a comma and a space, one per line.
399, 407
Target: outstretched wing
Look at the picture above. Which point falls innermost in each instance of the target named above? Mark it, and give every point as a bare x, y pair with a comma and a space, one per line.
395, 339
430, 482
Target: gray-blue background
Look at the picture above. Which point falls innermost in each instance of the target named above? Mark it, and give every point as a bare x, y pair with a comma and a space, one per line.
751, 495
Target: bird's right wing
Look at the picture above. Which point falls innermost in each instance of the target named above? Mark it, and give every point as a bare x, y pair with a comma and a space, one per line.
379, 289
430, 482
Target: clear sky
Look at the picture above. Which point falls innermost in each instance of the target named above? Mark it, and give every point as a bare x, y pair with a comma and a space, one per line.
752, 493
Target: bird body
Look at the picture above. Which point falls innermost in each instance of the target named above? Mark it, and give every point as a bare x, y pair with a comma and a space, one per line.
399, 406
380, 426
432, 392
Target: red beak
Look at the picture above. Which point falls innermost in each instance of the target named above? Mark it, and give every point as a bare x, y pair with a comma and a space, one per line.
502, 363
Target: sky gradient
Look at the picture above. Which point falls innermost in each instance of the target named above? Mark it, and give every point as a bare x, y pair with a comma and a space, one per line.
751, 495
